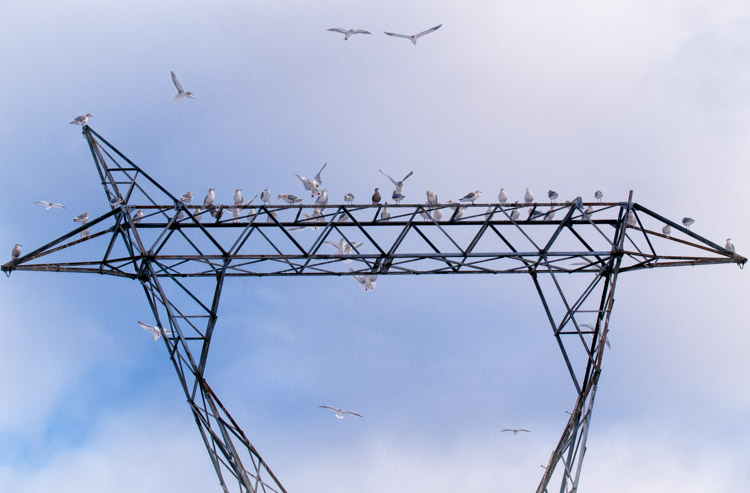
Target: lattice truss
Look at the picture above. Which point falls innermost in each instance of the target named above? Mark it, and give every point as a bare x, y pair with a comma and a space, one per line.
181, 255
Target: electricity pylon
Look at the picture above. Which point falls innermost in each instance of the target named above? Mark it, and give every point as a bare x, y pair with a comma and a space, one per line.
181, 254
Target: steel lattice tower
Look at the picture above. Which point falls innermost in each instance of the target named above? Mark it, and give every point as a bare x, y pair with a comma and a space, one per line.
181, 256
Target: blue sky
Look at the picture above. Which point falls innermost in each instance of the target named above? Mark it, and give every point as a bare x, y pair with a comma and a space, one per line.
575, 96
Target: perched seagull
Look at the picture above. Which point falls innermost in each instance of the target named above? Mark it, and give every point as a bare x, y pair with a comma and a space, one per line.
729, 245
550, 215
529, 197
632, 221
49, 205
82, 120
502, 197
458, 211
138, 216
186, 197
209, 198
367, 281
348, 33
349, 198
16, 251
398, 197
514, 215
399, 184
314, 184
238, 197
344, 247
687, 221
197, 214
414, 37
552, 195
385, 214
598, 195
667, 230
181, 93
154, 330
432, 197
85, 233
265, 196
82, 218
289, 198
340, 412
515, 430
470, 197
587, 213
437, 214
322, 198
376, 197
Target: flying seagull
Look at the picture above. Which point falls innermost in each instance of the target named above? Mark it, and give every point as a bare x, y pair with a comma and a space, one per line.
154, 330
344, 247
181, 93
340, 412
399, 184
348, 33
414, 37
687, 222
515, 430
606, 339
49, 205
82, 120
16, 251
314, 184
470, 197
367, 281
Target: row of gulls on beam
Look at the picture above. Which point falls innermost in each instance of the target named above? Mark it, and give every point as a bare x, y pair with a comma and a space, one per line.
348, 33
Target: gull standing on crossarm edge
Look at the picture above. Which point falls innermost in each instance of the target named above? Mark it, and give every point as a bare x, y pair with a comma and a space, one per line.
376, 197
470, 197
49, 205
186, 197
552, 195
322, 198
667, 230
16, 252
181, 93
348, 33
432, 198
414, 37
385, 214
265, 196
210, 197
729, 245
340, 412
289, 198
349, 198
687, 222
82, 120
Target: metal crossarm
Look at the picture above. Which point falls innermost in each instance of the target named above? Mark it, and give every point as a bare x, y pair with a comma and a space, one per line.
181, 254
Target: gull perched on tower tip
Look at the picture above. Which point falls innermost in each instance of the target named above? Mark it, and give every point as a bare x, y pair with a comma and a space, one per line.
414, 37
181, 93
340, 412
16, 252
687, 222
348, 33
82, 120
729, 245
49, 205
471, 197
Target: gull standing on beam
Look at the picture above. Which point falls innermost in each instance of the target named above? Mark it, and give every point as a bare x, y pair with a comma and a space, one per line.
729, 245
349, 198
552, 196
432, 198
385, 214
340, 412
470, 197
181, 93
187, 197
376, 197
314, 184
399, 184
209, 200
502, 197
515, 214
398, 197
528, 197
82, 218
16, 252
322, 198
414, 37
238, 197
49, 205
598, 195
138, 216
348, 33
289, 198
265, 196
82, 120
667, 230
687, 222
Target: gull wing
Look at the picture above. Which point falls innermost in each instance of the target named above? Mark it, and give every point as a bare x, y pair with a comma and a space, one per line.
344, 411
392, 180
396, 36
318, 179
407, 176
331, 408
360, 31
432, 29
337, 30
305, 181
176, 82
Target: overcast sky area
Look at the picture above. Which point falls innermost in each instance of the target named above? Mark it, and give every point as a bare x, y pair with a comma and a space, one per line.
575, 96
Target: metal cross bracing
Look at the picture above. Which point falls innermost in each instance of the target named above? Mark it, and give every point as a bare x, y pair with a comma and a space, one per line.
181, 255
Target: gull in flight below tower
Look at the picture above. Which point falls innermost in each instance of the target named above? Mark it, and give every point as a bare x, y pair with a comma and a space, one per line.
181, 93
414, 37
340, 412
348, 33
515, 430
49, 205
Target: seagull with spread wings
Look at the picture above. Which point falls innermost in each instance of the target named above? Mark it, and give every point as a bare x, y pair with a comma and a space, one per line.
348, 33
400, 183
515, 430
414, 37
340, 412
49, 205
181, 93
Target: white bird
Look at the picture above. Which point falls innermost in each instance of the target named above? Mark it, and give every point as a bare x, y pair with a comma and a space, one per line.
385, 214
667, 230
529, 197
154, 330
181, 93
85, 233
687, 222
437, 214
340, 412
49, 205
271, 216
289, 198
209, 198
398, 197
238, 197
343, 247
348, 33
550, 215
606, 339
515, 214
414, 37
197, 214
470, 197
138, 216
502, 197
82, 218
367, 281
458, 211
314, 184
186, 197
322, 198
587, 213
552, 195
82, 120
515, 430
265, 196
729, 245
376, 197
399, 184
349, 198
598, 195
632, 220
16, 252
432, 197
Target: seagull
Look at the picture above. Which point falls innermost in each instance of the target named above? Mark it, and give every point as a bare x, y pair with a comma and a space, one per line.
376, 197
470, 197
314, 184
265, 196
367, 281
82, 218
186, 197
667, 230
340, 412
348, 33
529, 197
85, 233
238, 197
385, 214
399, 184
437, 214
154, 329
502, 197
49, 205
16, 251
322, 198
729, 245
398, 197
414, 37
82, 120
606, 339
687, 221
344, 247
550, 215
432, 197
289, 198
514, 215
209, 198
458, 211
515, 430
349, 198
181, 93
552, 195
632, 221
598, 195
197, 214
587, 213
138, 216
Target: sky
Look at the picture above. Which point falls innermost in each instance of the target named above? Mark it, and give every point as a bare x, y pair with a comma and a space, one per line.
577, 96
